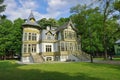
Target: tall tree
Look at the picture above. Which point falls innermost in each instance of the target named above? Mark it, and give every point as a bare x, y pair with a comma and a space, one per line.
81, 19
95, 28
17, 36
5, 36
107, 9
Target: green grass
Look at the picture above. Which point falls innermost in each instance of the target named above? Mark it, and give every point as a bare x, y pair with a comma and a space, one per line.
9, 70
114, 59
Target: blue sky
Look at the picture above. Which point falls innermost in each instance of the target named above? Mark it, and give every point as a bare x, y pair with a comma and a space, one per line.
40, 8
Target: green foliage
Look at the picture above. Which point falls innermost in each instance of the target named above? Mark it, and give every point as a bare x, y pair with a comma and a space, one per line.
5, 36
2, 7
117, 5
10, 36
17, 35
77, 9
89, 22
62, 21
47, 22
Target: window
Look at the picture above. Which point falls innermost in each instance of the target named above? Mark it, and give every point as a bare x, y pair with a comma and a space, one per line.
74, 34
29, 38
49, 59
48, 48
33, 47
118, 51
55, 36
71, 46
25, 37
34, 36
65, 34
29, 48
62, 46
66, 46
25, 48
49, 37
69, 35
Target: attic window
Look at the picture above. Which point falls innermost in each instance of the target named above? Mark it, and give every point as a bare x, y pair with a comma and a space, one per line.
49, 36
32, 20
69, 27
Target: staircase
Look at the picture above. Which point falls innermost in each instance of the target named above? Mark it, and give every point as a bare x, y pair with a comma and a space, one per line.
85, 56
37, 58
81, 56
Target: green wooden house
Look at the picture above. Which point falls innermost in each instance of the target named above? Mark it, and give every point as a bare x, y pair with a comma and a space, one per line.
117, 47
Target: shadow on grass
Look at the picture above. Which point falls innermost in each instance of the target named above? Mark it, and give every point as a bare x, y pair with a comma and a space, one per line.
10, 71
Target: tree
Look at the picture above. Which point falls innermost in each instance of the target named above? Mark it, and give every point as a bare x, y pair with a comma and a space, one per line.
17, 36
62, 21
2, 8
5, 36
83, 21
47, 22
10, 37
96, 29
117, 5
107, 9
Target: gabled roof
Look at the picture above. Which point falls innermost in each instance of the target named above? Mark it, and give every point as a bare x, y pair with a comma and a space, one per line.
51, 32
44, 31
66, 25
31, 21
118, 41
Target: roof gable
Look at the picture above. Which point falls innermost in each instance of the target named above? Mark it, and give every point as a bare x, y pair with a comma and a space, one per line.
67, 25
49, 32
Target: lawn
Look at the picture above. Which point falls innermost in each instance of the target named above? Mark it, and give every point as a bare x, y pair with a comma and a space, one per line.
10, 70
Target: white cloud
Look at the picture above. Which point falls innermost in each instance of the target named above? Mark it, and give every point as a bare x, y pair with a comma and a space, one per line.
20, 9
29, 4
55, 8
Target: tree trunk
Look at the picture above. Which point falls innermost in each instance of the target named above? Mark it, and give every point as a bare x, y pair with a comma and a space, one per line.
104, 28
91, 58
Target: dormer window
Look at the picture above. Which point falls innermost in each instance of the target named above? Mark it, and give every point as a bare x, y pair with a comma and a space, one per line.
69, 27
49, 36
32, 20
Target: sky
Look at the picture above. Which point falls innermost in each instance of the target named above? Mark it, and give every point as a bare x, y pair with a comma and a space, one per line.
40, 8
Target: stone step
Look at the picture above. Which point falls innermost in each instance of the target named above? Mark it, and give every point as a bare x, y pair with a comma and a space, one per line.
37, 58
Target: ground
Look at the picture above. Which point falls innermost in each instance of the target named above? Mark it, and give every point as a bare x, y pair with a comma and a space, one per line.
10, 70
